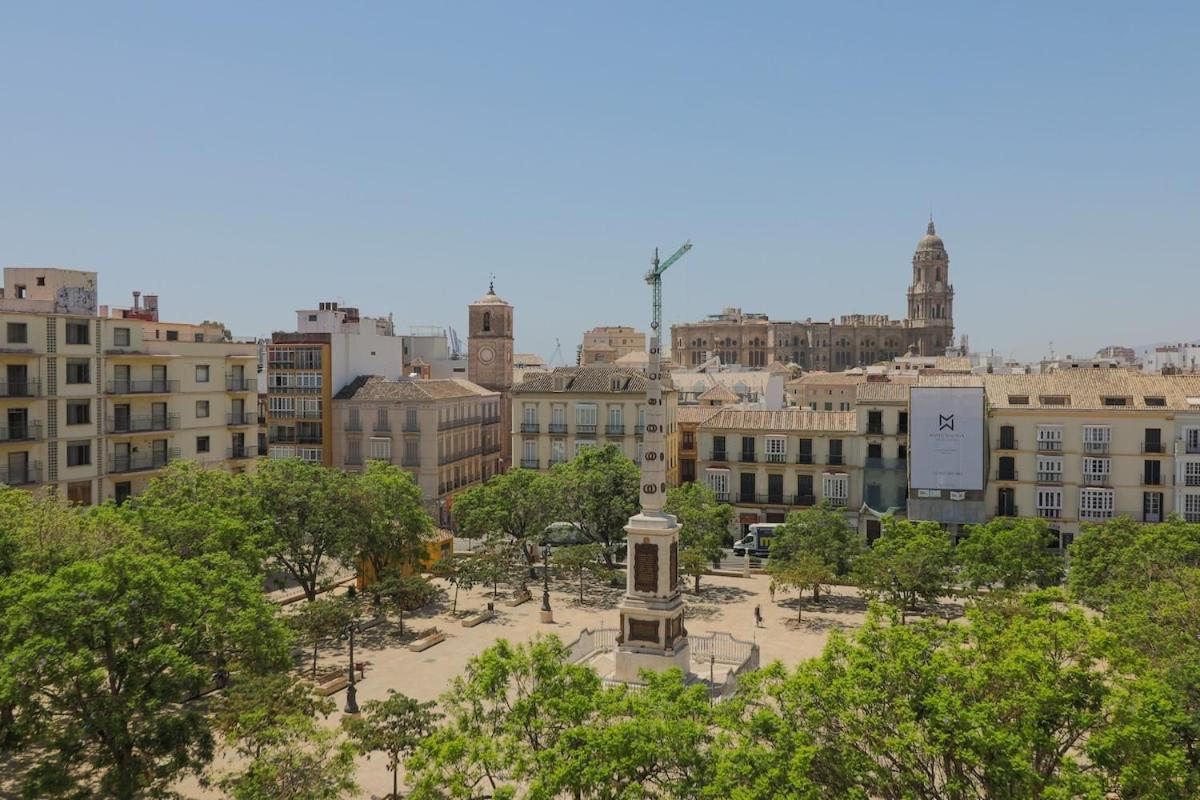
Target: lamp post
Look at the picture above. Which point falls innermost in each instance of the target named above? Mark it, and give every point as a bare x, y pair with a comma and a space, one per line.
547, 613
352, 627
712, 681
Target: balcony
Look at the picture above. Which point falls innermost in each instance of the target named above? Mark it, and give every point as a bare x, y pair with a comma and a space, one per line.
27, 475
1152, 480
1006, 510
381, 427
491, 419
450, 424
1047, 446
1191, 480
152, 386
722, 497
410, 461
614, 430
491, 448
1049, 477
1095, 479
241, 451
531, 427
293, 389
352, 426
282, 437
530, 463
459, 456
1091, 514
718, 455
140, 462
836, 459
1154, 447
21, 432
1095, 447
556, 460
411, 426
30, 388
1191, 448
875, 430
309, 413
804, 458
747, 458
309, 438
776, 458
883, 463
1007, 444
142, 424
239, 420
235, 384
1006, 475
559, 428
585, 430
804, 500
638, 430
1049, 513
836, 502
750, 497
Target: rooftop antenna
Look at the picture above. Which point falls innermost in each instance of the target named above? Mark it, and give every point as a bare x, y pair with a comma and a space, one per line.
557, 355
492, 283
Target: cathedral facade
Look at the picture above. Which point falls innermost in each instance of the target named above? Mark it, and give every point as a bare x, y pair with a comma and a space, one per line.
754, 340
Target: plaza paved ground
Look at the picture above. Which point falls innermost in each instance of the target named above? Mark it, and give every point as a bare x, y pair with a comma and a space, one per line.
724, 604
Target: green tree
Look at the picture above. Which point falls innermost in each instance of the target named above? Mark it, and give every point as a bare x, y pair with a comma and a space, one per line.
44, 532
99, 658
263, 711
394, 727
406, 593
823, 531
226, 335
578, 562
461, 572
600, 490
1008, 552
314, 765
693, 562
194, 510
704, 522
1112, 560
309, 517
322, 619
909, 562
397, 530
515, 506
803, 571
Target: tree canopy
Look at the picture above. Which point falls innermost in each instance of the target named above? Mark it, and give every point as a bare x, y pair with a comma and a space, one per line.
1010, 553
600, 489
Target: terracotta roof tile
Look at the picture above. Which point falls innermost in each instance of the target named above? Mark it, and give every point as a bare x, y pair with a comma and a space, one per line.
799, 419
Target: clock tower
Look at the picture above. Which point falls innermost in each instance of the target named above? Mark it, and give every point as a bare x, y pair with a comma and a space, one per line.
490, 359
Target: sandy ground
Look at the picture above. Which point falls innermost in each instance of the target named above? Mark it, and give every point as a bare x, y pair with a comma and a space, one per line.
724, 604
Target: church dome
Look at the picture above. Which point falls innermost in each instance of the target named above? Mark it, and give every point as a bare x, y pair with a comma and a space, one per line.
931, 241
490, 299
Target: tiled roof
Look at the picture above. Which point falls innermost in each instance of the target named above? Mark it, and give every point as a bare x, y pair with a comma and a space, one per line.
374, 387
693, 415
894, 390
829, 379
592, 379
1085, 389
718, 392
781, 421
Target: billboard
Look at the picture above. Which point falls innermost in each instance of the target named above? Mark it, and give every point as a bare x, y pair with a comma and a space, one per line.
946, 438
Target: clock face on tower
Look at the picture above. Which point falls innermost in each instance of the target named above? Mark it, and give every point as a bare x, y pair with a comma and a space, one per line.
486, 354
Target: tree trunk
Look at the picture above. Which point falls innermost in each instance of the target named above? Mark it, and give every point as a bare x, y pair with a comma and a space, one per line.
401, 618
314, 667
800, 608
396, 780
454, 607
816, 592
580, 587
697, 583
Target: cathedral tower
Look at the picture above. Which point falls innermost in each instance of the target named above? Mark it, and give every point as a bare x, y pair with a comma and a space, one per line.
490, 358
931, 297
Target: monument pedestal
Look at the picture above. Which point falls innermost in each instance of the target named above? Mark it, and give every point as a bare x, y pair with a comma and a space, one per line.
652, 634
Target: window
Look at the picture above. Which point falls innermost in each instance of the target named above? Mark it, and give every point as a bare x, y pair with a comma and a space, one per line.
747, 448
1096, 470
719, 448
903, 427
1050, 438
122, 492
1191, 473
585, 418
78, 333
835, 451
79, 370
1095, 503
829, 406
614, 417
529, 415
1191, 507
1008, 469
1049, 468
558, 418
688, 440
804, 490
382, 423
79, 454
835, 488
718, 481
279, 406
580, 446
379, 448
874, 422
18, 333
1115, 401
1096, 438
202, 444
412, 453
202, 373
121, 337
1008, 437
1054, 400
558, 451
776, 449
1152, 506
354, 451
172, 336
282, 452
1152, 472
202, 409
1155, 401
310, 454
1018, 399
1191, 438
1049, 502
79, 412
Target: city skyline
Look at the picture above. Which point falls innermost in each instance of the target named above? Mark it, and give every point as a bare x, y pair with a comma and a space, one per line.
245, 171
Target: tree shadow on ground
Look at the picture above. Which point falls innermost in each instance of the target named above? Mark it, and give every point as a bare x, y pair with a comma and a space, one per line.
811, 624
714, 593
15, 766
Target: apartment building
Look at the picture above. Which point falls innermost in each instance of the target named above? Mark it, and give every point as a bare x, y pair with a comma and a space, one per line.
881, 422
95, 402
447, 432
557, 414
607, 343
769, 463
331, 346
1186, 445
687, 420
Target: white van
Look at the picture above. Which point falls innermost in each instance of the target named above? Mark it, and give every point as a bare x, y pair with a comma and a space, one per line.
758, 541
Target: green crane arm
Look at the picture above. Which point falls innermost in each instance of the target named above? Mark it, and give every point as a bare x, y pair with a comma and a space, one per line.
678, 255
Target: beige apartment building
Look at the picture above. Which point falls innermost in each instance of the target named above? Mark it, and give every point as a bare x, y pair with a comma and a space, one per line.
447, 432
769, 463
95, 402
557, 414
606, 344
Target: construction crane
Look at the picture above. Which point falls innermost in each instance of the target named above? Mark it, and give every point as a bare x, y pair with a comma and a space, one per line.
654, 456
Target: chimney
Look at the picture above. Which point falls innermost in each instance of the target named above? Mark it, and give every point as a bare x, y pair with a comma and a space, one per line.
136, 295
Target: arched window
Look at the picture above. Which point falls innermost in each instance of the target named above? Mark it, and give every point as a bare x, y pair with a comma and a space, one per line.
939, 275
487, 320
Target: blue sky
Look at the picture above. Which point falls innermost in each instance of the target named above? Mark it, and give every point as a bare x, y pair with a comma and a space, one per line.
246, 159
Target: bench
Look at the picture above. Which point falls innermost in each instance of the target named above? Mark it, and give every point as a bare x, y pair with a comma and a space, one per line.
519, 596
479, 616
426, 640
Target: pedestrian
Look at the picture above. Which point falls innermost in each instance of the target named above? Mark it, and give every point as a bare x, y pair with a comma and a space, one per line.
758, 616
771, 590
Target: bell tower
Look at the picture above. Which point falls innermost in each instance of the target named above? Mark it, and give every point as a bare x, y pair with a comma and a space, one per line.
931, 297
490, 358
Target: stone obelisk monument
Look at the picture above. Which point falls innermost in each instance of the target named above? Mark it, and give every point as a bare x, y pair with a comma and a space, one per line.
652, 635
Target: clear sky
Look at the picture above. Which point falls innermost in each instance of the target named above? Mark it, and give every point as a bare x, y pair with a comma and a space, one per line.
243, 160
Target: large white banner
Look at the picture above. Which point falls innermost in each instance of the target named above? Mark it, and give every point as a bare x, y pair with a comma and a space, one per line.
946, 437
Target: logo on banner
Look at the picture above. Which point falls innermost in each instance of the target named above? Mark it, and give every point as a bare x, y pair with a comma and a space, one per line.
945, 422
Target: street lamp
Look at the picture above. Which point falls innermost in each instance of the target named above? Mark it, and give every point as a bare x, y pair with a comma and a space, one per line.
547, 613
348, 630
